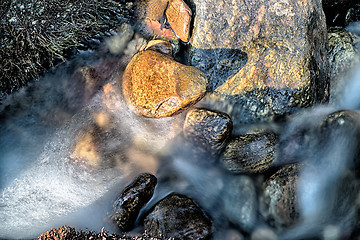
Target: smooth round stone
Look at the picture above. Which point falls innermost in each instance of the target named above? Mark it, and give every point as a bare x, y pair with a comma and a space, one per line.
252, 153
155, 85
127, 207
178, 217
207, 129
279, 201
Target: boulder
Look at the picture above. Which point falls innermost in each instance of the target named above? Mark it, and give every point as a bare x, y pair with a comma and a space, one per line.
207, 129
278, 203
250, 153
279, 49
239, 202
177, 216
134, 197
343, 57
155, 85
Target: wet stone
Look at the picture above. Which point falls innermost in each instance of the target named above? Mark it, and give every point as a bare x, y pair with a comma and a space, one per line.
155, 85
278, 204
339, 128
280, 60
239, 202
207, 129
177, 216
135, 196
250, 153
343, 57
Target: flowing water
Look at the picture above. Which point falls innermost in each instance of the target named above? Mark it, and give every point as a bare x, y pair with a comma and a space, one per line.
41, 186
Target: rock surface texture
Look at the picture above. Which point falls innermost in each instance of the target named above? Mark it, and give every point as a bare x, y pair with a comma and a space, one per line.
155, 85
178, 217
283, 45
207, 129
279, 205
250, 153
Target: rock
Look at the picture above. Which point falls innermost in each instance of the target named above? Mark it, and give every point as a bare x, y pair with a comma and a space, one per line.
179, 16
134, 197
177, 216
159, 45
278, 204
251, 153
342, 128
239, 202
283, 44
343, 58
169, 19
207, 129
155, 85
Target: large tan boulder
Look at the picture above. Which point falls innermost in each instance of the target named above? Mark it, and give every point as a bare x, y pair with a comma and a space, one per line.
272, 54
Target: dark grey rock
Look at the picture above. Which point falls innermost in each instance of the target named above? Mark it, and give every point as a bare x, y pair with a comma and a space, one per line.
177, 216
239, 202
135, 196
251, 153
278, 203
207, 129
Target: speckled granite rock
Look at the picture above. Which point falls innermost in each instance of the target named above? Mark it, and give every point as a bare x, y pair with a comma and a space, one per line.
283, 44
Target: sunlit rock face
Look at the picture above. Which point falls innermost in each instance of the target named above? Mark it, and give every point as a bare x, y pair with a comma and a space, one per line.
281, 60
155, 85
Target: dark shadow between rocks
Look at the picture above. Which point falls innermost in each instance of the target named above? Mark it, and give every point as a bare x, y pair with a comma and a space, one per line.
218, 64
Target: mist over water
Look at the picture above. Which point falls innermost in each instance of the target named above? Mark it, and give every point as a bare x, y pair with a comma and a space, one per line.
42, 187
41, 184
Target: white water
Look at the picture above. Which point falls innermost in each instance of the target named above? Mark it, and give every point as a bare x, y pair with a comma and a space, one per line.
41, 187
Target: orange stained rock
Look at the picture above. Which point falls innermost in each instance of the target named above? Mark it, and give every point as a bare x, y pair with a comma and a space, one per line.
179, 17
155, 85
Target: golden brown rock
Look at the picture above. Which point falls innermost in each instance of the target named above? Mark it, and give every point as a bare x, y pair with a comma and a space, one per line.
153, 12
155, 85
179, 16
159, 14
